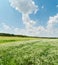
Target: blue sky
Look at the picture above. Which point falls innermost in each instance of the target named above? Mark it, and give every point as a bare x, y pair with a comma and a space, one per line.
20, 19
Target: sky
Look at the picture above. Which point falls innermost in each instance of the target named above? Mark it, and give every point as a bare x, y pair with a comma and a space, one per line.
29, 17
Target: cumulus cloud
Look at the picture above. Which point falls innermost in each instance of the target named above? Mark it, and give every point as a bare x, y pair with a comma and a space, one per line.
25, 7
53, 20
27, 21
49, 31
57, 6
51, 23
5, 26
23, 31
42, 7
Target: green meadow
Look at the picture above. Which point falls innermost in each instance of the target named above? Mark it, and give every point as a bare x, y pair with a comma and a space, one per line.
28, 51
5, 39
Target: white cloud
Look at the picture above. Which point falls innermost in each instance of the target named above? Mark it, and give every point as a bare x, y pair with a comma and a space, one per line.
53, 19
28, 7
5, 26
52, 22
21, 31
42, 7
28, 23
25, 7
34, 31
49, 31
57, 6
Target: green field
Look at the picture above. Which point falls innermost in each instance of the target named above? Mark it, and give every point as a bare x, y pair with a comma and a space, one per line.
29, 51
4, 39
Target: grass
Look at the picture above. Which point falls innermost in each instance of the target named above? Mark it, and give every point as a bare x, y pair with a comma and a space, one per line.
34, 52
4, 39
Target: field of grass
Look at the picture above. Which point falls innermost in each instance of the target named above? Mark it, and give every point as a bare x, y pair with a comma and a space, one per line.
4, 39
30, 52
